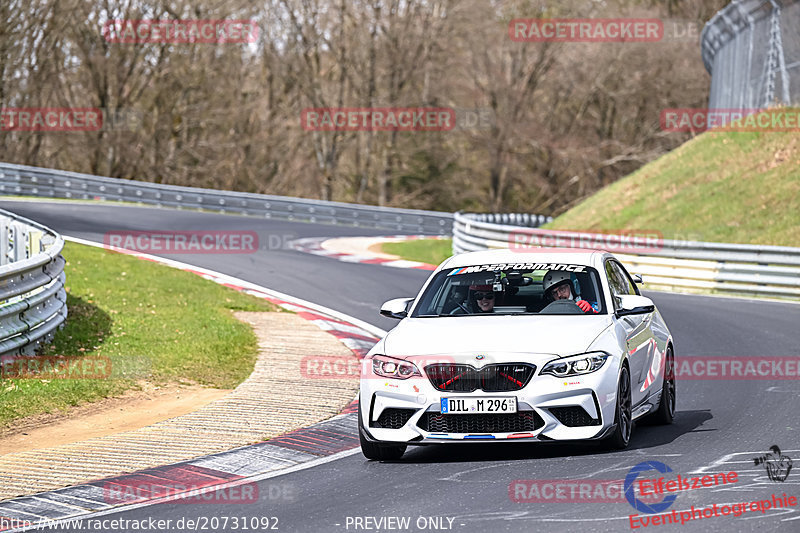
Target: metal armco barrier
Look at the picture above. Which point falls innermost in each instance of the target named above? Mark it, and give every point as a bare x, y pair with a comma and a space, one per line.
766, 271
19, 180
33, 302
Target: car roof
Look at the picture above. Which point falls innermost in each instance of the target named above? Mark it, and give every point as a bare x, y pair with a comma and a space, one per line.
547, 255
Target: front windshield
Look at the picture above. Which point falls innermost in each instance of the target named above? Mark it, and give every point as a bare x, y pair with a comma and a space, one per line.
504, 289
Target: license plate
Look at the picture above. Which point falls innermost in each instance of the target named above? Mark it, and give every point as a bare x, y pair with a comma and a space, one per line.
478, 405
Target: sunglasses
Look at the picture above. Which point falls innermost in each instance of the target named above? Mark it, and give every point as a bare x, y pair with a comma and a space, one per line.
484, 296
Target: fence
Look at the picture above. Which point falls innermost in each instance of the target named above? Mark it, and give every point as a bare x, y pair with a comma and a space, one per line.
752, 50
22, 180
33, 302
771, 271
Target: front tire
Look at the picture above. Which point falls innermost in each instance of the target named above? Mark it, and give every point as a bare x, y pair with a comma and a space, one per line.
665, 413
621, 437
374, 451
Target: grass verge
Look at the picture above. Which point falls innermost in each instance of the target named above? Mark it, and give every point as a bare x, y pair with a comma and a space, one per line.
152, 322
720, 187
432, 251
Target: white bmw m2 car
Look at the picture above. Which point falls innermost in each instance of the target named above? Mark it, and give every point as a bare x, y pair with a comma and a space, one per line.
524, 347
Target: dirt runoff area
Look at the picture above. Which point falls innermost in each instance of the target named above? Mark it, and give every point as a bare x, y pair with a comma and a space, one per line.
134, 409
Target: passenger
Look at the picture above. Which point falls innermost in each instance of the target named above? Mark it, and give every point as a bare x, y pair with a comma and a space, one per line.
483, 298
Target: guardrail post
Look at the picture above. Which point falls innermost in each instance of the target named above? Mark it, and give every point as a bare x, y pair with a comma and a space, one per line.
21, 243
5, 244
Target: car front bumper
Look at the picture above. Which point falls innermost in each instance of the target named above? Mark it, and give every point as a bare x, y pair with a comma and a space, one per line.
548, 409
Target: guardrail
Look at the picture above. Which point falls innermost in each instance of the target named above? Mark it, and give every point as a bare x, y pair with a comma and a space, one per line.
20, 180
690, 266
33, 302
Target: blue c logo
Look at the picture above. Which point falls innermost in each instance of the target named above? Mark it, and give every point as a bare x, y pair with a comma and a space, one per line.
639, 505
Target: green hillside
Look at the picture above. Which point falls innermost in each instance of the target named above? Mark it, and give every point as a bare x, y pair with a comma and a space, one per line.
726, 187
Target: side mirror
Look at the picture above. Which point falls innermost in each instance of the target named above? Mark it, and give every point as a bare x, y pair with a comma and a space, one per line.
396, 308
637, 278
632, 304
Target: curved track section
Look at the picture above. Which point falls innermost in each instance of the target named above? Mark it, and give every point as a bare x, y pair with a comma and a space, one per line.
720, 425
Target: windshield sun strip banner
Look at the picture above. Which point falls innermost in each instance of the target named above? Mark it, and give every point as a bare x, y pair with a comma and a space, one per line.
566, 267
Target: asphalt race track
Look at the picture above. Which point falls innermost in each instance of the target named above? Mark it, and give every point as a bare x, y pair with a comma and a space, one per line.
720, 425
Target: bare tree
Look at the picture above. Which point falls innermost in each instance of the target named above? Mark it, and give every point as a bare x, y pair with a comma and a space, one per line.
568, 118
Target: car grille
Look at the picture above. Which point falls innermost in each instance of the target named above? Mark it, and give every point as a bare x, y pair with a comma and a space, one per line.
491, 378
574, 416
393, 418
481, 423
502, 378
452, 377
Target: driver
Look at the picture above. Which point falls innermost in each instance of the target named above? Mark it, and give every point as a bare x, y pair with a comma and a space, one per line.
558, 286
483, 296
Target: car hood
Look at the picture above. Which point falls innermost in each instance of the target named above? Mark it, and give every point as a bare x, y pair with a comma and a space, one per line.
494, 335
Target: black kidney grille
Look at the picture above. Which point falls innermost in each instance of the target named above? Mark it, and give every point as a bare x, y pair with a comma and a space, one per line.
392, 418
573, 416
491, 378
452, 377
481, 423
507, 377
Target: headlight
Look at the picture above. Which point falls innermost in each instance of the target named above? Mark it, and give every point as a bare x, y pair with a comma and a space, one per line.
576, 365
389, 367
